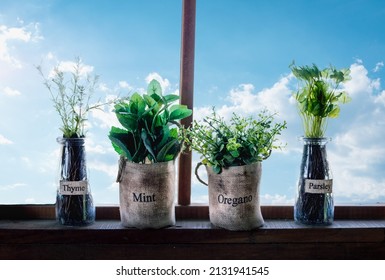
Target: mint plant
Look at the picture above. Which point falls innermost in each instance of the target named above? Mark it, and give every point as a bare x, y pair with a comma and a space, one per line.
242, 141
319, 96
150, 130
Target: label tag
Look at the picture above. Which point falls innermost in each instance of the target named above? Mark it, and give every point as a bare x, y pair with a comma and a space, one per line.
73, 187
318, 186
234, 201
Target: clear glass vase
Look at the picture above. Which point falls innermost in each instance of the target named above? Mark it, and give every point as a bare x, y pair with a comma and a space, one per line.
74, 203
314, 202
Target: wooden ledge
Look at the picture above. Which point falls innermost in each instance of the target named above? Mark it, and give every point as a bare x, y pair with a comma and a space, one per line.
31, 232
192, 239
194, 211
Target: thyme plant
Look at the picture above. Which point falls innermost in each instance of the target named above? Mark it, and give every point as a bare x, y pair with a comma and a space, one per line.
319, 96
71, 94
241, 141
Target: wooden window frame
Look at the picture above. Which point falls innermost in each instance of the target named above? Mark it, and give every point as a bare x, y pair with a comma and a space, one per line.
31, 231
184, 205
186, 94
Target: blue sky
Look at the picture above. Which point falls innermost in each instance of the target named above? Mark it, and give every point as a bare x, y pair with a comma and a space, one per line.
243, 49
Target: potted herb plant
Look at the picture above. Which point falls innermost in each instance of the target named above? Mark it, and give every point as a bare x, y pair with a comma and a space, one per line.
148, 144
319, 97
232, 153
71, 93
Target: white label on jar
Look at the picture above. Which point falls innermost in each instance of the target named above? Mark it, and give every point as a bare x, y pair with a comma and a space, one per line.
73, 187
318, 186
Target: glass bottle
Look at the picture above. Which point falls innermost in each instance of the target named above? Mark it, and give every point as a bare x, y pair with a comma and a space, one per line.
74, 203
314, 202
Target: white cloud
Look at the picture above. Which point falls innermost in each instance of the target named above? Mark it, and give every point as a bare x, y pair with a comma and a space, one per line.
50, 56
360, 84
110, 169
69, 66
201, 199
274, 99
125, 85
357, 158
244, 100
103, 87
27, 161
12, 186
5, 141
27, 33
30, 200
11, 92
113, 187
45, 162
378, 66
380, 98
276, 199
106, 118
93, 147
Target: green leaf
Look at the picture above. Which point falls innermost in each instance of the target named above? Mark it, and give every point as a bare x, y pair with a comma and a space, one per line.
335, 112
171, 98
164, 136
122, 106
124, 115
120, 148
329, 109
152, 104
169, 157
301, 97
137, 104
120, 140
140, 152
156, 121
154, 87
344, 98
116, 130
234, 153
169, 149
149, 100
161, 119
127, 120
228, 157
217, 169
157, 98
178, 112
147, 143
174, 133
316, 110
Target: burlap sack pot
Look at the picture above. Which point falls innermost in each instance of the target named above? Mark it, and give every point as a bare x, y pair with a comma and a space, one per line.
146, 193
234, 197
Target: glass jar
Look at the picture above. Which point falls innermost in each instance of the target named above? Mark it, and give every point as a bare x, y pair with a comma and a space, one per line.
314, 201
74, 203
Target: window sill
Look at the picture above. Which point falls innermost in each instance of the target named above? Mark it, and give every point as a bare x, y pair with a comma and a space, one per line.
279, 238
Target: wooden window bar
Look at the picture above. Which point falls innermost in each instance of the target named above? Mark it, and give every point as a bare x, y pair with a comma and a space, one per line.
31, 231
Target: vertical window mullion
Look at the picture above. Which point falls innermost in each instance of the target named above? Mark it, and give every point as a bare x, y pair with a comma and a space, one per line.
186, 94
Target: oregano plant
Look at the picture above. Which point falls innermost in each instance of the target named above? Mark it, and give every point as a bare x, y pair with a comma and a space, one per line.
241, 141
150, 128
